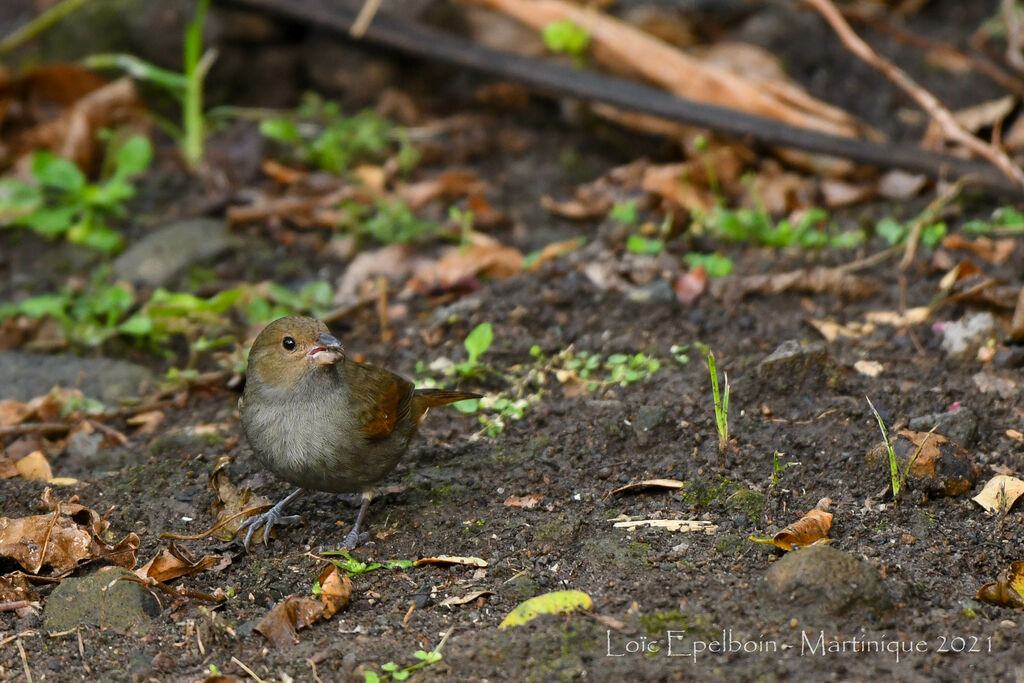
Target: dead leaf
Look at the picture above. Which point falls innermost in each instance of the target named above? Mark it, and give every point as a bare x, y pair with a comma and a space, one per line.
449, 185
553, 250
147, 422
1008, 590
996, 252
230, 501
68, 534
639, 486
464, 599
171, 563
901, 185
281, 173
838, 193
812, 280
281, 624
832, 330
34, 466
577, 209
868, 368
335, 590
810, 529
14, 587
909, 317
13, 412
458, 265
526, 502
451, 559
999, 494
690, 285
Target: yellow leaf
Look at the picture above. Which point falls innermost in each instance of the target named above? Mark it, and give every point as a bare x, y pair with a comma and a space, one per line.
558, 602
1000, 493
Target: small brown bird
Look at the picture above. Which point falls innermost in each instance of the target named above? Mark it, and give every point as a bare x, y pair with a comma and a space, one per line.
322, 422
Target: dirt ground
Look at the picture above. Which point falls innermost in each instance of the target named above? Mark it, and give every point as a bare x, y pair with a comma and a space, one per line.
684, 592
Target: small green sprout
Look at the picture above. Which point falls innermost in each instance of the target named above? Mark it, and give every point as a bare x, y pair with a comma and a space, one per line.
897, 477
391, 670
715, 265
566, 37
721, 404
354, 567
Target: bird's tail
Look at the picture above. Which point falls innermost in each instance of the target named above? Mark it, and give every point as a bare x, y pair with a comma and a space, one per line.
428, 398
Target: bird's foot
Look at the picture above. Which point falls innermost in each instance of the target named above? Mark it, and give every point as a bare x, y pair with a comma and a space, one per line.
268, 520
354, 539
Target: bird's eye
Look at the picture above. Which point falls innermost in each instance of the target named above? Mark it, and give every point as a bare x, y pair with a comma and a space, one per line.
288, 343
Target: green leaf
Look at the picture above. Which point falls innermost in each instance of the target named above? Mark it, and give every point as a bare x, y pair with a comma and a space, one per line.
18, 197
400, 675
566, 37
133, 157
54, 171
638, 244
625, 212
389, 666
49, 222
891, 230
137, 326
370, 677
428, 657
478, 341
47, 304
281, 130
468, 406
558, 602
98, 237
932, 235
716, 265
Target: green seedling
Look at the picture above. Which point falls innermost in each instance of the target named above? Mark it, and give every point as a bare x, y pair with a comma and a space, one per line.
464, 219
625, 212
391, 670
638, 244
721, 404
715, 265
61, 201
186, 87
354, 567
1005, 221
477, 342
895, 233
756, 226
680, 353
318, 134
566, 37
778, 467
897, 477
387, 222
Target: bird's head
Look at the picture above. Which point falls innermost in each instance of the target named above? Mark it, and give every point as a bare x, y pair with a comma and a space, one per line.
290, 348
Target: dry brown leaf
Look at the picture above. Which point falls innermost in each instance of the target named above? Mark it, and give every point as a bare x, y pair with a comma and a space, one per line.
281, 173
231, 500
171, 563
839, 193
901, 185
335, 590
554, 250
1008, 590
672, 182
813, 280
639, 486
13, 412
451, 184
691, 285
832, 330
451, 559
526, 502
34, 466
459, 265
14, 587
999, 494
281, 624
997, 252
911, 316
579, 208
464, 599
67, 535
147, 422
810, 529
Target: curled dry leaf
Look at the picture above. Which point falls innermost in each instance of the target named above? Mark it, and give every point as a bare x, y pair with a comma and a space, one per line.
281, 624
911, 316
335, 590
812, 280
172, 562
996, 252
832, 330
1008, 589
581, 208
34, 466
231, 500
461, 265
810, 529
638, 486
553, 250
68, 534
464, 599
14, 587
526, 502
451, 559
690, 285
451, 184
147, 422
13, 412
999, 494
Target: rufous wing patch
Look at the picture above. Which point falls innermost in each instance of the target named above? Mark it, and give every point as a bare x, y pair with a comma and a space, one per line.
382, 416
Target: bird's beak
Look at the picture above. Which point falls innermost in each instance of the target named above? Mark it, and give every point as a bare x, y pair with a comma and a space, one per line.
327, 351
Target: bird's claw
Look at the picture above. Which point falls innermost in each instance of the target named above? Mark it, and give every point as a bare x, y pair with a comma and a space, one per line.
354, 539
268, 520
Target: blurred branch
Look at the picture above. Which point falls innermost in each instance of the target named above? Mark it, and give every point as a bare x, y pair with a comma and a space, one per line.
39, 25
557, 80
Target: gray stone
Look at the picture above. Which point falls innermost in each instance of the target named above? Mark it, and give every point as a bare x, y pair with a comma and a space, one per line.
24, 376
79, 601
648, 418
821, 579
794, 366
655, 292
963, 338
166, 252
959, 426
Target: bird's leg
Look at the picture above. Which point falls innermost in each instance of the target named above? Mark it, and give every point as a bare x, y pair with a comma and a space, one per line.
269, 519
354, 538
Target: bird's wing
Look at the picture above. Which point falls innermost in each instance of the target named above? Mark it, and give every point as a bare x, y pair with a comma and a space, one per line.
388, 402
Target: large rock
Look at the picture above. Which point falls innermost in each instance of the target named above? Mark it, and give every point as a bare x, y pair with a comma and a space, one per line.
821, 580
24, 376
163, 254
79, 601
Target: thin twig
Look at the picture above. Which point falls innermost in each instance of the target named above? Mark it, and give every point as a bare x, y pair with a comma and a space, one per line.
927, 101
930, 214
41, 428
247, 670
244, 513
366, 14
1013, 35
11, 606
24, 660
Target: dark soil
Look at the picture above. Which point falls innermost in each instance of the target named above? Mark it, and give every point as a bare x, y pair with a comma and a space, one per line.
933, 553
